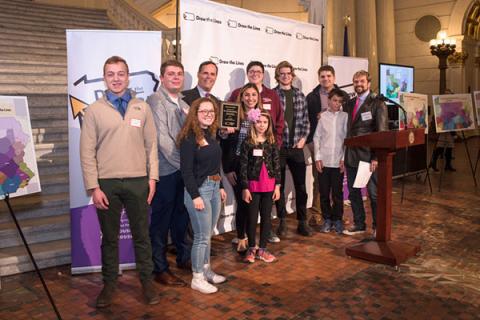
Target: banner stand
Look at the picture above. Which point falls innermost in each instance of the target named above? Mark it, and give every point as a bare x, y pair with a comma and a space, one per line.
25, 243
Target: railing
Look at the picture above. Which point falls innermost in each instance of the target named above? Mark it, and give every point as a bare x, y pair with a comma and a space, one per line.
127, 16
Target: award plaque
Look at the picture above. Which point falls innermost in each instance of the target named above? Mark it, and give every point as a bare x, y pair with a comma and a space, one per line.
230, 115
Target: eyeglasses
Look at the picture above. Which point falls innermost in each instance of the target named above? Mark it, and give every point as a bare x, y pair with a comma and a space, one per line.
255, 72
206, 112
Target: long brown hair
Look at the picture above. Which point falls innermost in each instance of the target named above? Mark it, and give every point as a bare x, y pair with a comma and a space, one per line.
193, 126
252, 136
244, 108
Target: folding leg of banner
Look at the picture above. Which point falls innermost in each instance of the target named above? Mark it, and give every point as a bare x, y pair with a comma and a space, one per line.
31, 257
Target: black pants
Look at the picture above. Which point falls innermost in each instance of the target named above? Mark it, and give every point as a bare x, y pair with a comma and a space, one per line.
260, 201
331, 180
132, 194
295, 159
241, 214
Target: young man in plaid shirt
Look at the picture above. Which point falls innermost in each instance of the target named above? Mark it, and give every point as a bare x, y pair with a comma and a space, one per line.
295, 135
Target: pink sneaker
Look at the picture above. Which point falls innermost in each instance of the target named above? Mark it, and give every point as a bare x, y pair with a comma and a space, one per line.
250, 257
264, 255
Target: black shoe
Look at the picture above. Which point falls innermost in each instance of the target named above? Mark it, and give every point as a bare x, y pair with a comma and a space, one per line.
434, 167
104, 299
150, 293
450, 168
282, 228
303, 229
354, 230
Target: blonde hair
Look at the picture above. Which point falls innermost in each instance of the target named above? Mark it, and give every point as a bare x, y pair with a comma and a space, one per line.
253, 137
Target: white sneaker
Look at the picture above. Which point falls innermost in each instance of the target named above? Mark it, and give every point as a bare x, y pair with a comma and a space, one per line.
211, 276
201, 284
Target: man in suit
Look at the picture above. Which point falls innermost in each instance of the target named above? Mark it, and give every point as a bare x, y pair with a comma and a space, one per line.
207, 75
366, 114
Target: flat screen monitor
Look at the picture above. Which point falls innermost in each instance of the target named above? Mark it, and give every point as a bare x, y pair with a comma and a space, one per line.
395, 78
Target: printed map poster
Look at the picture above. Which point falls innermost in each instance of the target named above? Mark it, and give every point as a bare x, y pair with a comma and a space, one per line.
476, 97
18, 164
453, 112
416, 106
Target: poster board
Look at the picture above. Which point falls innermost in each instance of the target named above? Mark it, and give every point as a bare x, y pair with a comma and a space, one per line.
453, 112
18, 163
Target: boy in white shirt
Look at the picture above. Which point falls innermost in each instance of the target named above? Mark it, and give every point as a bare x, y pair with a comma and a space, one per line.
329, 153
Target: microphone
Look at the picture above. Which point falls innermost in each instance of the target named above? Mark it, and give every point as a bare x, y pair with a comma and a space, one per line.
385, 99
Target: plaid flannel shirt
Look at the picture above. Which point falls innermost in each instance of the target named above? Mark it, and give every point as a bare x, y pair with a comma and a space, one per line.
300, 116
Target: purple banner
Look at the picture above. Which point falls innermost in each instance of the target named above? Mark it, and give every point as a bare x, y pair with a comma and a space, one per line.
86, 239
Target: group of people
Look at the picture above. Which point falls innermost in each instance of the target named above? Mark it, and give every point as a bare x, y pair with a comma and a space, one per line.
167, 154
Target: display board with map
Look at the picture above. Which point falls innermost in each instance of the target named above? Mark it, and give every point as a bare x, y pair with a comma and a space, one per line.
18, 164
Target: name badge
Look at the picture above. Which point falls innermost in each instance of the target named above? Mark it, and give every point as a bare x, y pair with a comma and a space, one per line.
366, 116
257, 152
267, 106
135, 123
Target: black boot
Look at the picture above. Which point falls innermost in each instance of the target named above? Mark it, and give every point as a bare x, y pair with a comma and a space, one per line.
282, 228
448, 160
303, 228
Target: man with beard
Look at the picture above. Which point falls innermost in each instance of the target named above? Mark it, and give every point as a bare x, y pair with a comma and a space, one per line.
366, 114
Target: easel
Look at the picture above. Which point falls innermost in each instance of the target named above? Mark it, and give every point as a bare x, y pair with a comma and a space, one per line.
442, 168
7, 198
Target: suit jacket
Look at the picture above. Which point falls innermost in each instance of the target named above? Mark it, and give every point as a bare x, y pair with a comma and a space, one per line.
371, 116
193, 94
314, 105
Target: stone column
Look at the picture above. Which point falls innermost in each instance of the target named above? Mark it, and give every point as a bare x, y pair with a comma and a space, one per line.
336, 11
386, 31
366, 36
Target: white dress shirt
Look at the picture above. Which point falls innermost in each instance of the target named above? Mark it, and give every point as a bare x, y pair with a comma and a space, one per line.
328, 139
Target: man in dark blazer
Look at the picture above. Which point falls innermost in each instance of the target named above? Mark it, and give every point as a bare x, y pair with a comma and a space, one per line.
207, 75
366, 114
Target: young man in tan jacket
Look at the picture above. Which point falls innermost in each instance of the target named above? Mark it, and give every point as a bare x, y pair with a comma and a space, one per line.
118, 152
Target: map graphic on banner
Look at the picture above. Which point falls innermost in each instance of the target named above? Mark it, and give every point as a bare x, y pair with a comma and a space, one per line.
87, 51
18, 164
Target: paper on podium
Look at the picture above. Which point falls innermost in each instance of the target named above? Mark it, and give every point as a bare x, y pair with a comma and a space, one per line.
363, 175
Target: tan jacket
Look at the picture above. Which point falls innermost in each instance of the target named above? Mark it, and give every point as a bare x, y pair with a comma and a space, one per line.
112, 147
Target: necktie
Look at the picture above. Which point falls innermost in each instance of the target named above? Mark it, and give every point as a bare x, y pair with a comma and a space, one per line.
355, 109
121, 106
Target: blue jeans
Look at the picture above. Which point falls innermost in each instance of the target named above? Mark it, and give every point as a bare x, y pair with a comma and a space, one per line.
203, 222
168, 214
355, 197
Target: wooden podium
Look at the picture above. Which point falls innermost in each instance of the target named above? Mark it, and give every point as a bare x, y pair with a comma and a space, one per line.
383, 249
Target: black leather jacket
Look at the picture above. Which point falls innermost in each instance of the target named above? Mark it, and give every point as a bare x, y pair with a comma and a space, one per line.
250, 165
375, 119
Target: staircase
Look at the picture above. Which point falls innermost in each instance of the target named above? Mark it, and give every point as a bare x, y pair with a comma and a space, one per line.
33, 63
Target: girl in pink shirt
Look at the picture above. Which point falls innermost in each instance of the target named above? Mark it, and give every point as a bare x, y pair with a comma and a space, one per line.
260, 181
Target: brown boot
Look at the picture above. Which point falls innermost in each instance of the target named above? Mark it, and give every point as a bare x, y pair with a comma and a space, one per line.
104, 299
150, 293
